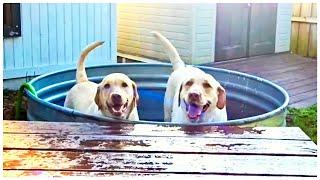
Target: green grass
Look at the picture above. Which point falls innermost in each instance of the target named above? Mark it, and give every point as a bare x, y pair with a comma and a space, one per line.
306, 119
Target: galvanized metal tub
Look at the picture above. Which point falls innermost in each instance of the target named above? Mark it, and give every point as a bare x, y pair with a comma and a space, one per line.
251, 101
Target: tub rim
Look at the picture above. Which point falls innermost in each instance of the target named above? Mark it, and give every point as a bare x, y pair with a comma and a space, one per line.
241, 121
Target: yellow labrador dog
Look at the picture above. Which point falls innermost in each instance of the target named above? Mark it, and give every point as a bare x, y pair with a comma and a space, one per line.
116, 96
192, 96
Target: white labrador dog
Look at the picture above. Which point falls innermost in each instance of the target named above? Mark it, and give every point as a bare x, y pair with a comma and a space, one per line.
115, 96
192, 96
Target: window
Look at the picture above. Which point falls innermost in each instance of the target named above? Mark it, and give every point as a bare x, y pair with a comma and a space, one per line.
11, 20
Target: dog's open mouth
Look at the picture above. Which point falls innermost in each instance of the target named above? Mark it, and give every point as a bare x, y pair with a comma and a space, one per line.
117, 109
194, 111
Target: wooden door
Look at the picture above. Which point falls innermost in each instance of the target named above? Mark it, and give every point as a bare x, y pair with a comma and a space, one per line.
246, 29
231, 31
262, 28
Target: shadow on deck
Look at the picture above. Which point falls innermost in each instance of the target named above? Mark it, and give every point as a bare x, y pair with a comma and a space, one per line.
296, 74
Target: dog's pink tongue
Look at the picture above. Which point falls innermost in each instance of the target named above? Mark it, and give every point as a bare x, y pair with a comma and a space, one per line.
194, 111
117, 107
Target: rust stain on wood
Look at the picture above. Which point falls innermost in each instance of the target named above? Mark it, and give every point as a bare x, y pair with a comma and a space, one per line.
193, 130
114, 143
82, 161
12, 164
238, 130
229, 146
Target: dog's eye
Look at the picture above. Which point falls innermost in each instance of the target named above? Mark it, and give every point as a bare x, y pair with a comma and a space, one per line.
206, 85
107, 86
189, 83
124, 84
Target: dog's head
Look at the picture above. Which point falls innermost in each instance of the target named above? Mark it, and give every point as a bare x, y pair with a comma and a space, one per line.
199, 96
117, 96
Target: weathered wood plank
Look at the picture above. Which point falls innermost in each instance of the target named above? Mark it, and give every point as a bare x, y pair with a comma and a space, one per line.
27, 127
294, 37
312, 80
302, 96
295, 28
159, 144
283, 70
313, 33
312, 51
296, 9
274, 70
159, 162
304, 19
291, 74
295, 79
303, 31
303, 38
261, 68
303, 89
116, 175
257, 61
304, 103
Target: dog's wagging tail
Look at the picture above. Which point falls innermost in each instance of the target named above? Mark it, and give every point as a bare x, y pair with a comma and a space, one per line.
81, 75
171, 50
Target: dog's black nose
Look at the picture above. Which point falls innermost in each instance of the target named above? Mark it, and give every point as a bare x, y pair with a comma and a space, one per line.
194, 96
116, 98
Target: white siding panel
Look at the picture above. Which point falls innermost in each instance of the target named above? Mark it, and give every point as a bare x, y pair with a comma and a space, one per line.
204, 33
150, 46
153, 11
162, 6
283, 30
150, 18
131, 38
135, 21
146, 53
145, 32
123, 24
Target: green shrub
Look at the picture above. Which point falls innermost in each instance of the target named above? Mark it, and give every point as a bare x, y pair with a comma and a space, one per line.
306, 119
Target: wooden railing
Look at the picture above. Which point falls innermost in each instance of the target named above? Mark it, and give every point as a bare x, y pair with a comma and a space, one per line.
304, 29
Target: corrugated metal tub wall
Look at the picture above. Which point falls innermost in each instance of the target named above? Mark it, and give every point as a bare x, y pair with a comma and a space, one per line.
251, 101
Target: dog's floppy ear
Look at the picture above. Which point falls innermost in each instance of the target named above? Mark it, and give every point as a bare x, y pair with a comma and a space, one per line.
221, 97
179, 95
97, 99
135, 99
135, 93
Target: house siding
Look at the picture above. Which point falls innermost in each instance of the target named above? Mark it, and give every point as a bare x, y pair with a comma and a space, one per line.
54, 34
205, 27
135, 21
283, 31
190, 27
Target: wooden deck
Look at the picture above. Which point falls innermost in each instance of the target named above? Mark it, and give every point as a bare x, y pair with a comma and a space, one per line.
141, 150
296, 74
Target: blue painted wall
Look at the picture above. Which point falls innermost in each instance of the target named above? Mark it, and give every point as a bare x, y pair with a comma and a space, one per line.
54, 34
